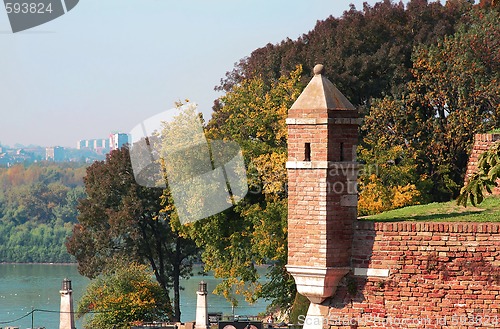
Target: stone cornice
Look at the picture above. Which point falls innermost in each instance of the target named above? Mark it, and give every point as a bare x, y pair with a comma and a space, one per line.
323, 121
346, 165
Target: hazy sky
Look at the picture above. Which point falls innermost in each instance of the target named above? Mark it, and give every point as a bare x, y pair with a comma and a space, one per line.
107, 65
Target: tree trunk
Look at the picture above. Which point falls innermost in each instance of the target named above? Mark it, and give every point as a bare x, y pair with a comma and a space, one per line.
176, 279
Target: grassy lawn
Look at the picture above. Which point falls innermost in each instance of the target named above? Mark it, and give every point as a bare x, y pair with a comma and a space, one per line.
487, 211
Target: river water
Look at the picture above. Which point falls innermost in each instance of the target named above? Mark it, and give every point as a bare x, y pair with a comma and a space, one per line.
24, 287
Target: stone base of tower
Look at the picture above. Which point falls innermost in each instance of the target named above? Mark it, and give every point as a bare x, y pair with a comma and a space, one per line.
317, 284
197, 326
316, 317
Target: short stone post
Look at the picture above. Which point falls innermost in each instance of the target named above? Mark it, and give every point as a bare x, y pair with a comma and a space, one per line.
67, 316
201, 307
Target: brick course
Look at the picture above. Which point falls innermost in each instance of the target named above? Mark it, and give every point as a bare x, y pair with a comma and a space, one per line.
441, 275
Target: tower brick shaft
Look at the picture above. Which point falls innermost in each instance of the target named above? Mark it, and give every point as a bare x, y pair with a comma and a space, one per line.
322, 192
67, 316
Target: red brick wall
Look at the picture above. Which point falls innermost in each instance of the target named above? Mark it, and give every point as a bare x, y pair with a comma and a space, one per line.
482, 142
316, 135
319, 225
319, 218
307, 218
442, 275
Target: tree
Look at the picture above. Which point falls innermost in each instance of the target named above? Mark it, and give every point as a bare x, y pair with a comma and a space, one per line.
453, 95
388, 178
120, 218
40, 193
253, 232
366, 52
122, 295
67, 211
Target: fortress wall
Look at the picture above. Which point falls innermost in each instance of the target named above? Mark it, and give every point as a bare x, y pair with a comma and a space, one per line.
420, 275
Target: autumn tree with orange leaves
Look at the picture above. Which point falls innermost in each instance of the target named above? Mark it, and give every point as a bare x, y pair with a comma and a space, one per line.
123, 294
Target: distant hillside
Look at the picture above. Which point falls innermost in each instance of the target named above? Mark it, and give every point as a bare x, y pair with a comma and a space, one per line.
37, 210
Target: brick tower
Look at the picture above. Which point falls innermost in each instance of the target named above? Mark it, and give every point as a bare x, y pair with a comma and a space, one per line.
322, 193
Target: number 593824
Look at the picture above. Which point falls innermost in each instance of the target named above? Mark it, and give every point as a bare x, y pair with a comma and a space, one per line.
28, 7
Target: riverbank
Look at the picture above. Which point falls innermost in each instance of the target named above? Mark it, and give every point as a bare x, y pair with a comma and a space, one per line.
25, 286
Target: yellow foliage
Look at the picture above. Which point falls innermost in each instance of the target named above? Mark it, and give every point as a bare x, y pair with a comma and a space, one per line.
404, 195
272, 172
375, 197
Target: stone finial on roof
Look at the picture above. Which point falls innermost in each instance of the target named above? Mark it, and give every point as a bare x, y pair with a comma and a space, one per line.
319, 69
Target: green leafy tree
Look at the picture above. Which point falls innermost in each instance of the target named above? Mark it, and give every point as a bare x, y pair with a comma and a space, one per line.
454, 94
120, 218
254, 232
34, 242
387, 180
40, 193
367, 52
67, 211
123, 295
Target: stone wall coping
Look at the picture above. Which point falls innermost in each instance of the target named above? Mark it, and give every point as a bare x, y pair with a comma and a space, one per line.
488, 137
323, 121
339, 165
445, 227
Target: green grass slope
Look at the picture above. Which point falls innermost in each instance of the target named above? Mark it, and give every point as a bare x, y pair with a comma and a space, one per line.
487, 211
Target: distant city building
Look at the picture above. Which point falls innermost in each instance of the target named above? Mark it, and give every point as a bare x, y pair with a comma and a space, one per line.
104, 145
33, 154
11, 156
101, 146
101, 143
117, 140
55, 154
81, 144
90, 144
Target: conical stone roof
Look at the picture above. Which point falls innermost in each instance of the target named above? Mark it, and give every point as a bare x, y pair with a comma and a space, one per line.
321, 94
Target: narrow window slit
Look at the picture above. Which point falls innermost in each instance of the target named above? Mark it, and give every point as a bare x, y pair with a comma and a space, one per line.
307, 152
